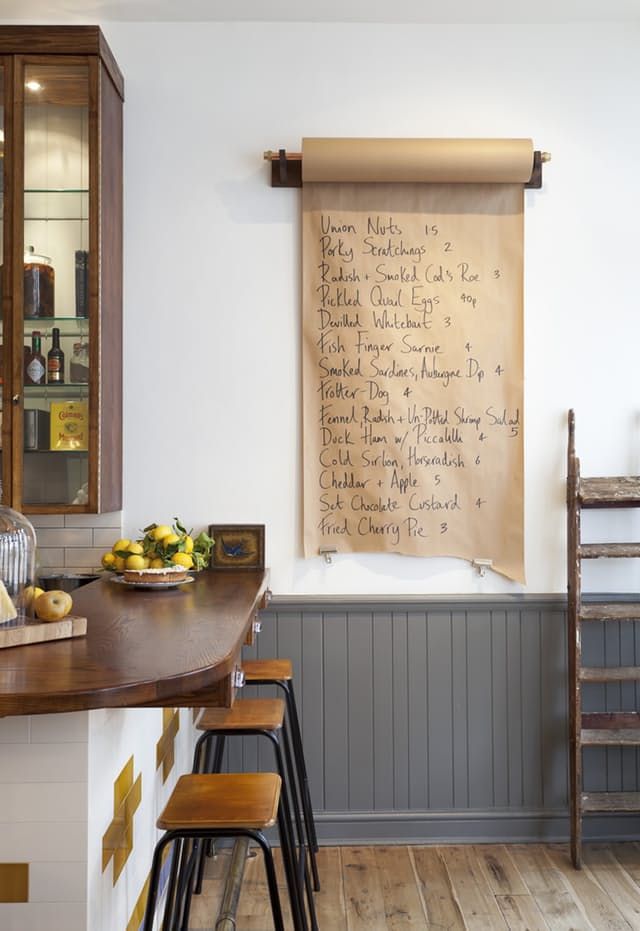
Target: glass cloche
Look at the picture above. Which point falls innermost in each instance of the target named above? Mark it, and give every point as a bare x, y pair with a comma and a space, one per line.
17, 566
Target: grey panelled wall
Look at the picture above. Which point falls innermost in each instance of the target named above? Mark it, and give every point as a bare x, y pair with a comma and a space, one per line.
443, 719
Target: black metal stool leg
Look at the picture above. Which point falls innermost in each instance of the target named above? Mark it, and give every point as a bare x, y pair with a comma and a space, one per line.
303, 838
183, 839
272, 882
154, 880
290, 805
302, 822
298, 749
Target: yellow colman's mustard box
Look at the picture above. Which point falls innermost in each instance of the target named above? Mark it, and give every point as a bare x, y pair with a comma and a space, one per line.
69, 425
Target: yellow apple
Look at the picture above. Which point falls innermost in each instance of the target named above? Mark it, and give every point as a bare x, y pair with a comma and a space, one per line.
29, 595
53, 605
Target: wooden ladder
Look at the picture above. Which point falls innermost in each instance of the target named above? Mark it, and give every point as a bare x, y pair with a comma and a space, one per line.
595, 728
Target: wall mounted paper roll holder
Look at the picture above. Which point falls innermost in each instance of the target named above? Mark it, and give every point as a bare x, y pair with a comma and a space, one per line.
286, 168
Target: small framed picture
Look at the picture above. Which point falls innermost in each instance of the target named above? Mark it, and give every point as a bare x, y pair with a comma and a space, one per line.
237, 546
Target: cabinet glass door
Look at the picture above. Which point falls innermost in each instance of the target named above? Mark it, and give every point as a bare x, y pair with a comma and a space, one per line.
55, 299
3, 360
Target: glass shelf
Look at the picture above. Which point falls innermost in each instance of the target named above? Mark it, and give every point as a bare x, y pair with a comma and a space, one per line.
73, 390
56, 204
58, 453
55, 320
56, 190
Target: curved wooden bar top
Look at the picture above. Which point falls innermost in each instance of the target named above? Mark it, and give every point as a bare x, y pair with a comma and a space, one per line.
142, 648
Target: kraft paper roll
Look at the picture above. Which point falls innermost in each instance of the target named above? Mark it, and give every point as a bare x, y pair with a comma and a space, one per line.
417, 160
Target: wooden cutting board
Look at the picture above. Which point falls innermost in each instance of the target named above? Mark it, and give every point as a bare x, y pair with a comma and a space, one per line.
38, 632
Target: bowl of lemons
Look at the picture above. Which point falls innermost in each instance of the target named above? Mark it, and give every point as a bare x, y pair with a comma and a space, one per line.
161, 545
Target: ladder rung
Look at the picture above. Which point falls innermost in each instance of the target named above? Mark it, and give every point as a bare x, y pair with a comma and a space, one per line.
610, 673
611, 492
620, 611
611, 736
610, 801
616, 720
609, 550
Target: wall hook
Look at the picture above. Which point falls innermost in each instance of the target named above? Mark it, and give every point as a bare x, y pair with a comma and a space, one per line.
482, 565
327, 552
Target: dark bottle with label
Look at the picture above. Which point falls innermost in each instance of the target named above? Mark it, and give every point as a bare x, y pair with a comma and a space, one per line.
55, 360
35, 368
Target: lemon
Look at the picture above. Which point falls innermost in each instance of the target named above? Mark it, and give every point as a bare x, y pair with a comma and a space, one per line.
136, 549
170, 539
135, 561
188, 544
156, 563
108, 560
182, 559
29, 595
119, 564
121, 545
160, 532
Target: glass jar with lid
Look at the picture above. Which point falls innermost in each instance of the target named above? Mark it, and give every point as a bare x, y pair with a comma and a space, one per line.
39, 284
17, 566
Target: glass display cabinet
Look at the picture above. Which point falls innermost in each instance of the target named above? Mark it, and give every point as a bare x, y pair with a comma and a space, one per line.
61, 277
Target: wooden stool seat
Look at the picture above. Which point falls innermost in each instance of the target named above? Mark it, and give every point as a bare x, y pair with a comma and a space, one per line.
273, 669
222, 800
265, 714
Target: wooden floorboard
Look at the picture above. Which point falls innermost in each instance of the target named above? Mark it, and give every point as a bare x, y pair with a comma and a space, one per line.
440, 905
481, 887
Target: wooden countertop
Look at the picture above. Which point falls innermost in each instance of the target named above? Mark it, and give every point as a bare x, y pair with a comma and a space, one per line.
142, 648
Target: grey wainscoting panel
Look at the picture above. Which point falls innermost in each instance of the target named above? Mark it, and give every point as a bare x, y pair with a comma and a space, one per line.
444, 718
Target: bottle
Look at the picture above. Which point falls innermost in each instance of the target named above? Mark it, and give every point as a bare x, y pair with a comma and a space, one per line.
55, 360
79, 368
39, 285
34, 363
82, 285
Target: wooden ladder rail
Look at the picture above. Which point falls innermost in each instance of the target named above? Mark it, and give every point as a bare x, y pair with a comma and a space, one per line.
574, 646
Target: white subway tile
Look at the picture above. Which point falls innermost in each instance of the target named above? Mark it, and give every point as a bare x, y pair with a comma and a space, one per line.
51, 728
104, 537
66, 537
22, 842
83, 558
44, 762
43, 802
50, 557
14, 730
57, 882
47, 520
112, 520
44, 917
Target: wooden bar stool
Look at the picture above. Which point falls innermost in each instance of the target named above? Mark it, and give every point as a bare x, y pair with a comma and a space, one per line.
280, 672
206, 806
260, 717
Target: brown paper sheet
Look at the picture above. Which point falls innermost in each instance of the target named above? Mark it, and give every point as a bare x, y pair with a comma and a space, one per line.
413, 370
427, 160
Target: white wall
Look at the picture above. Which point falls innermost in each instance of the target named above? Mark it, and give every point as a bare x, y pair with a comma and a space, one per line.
212, 262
